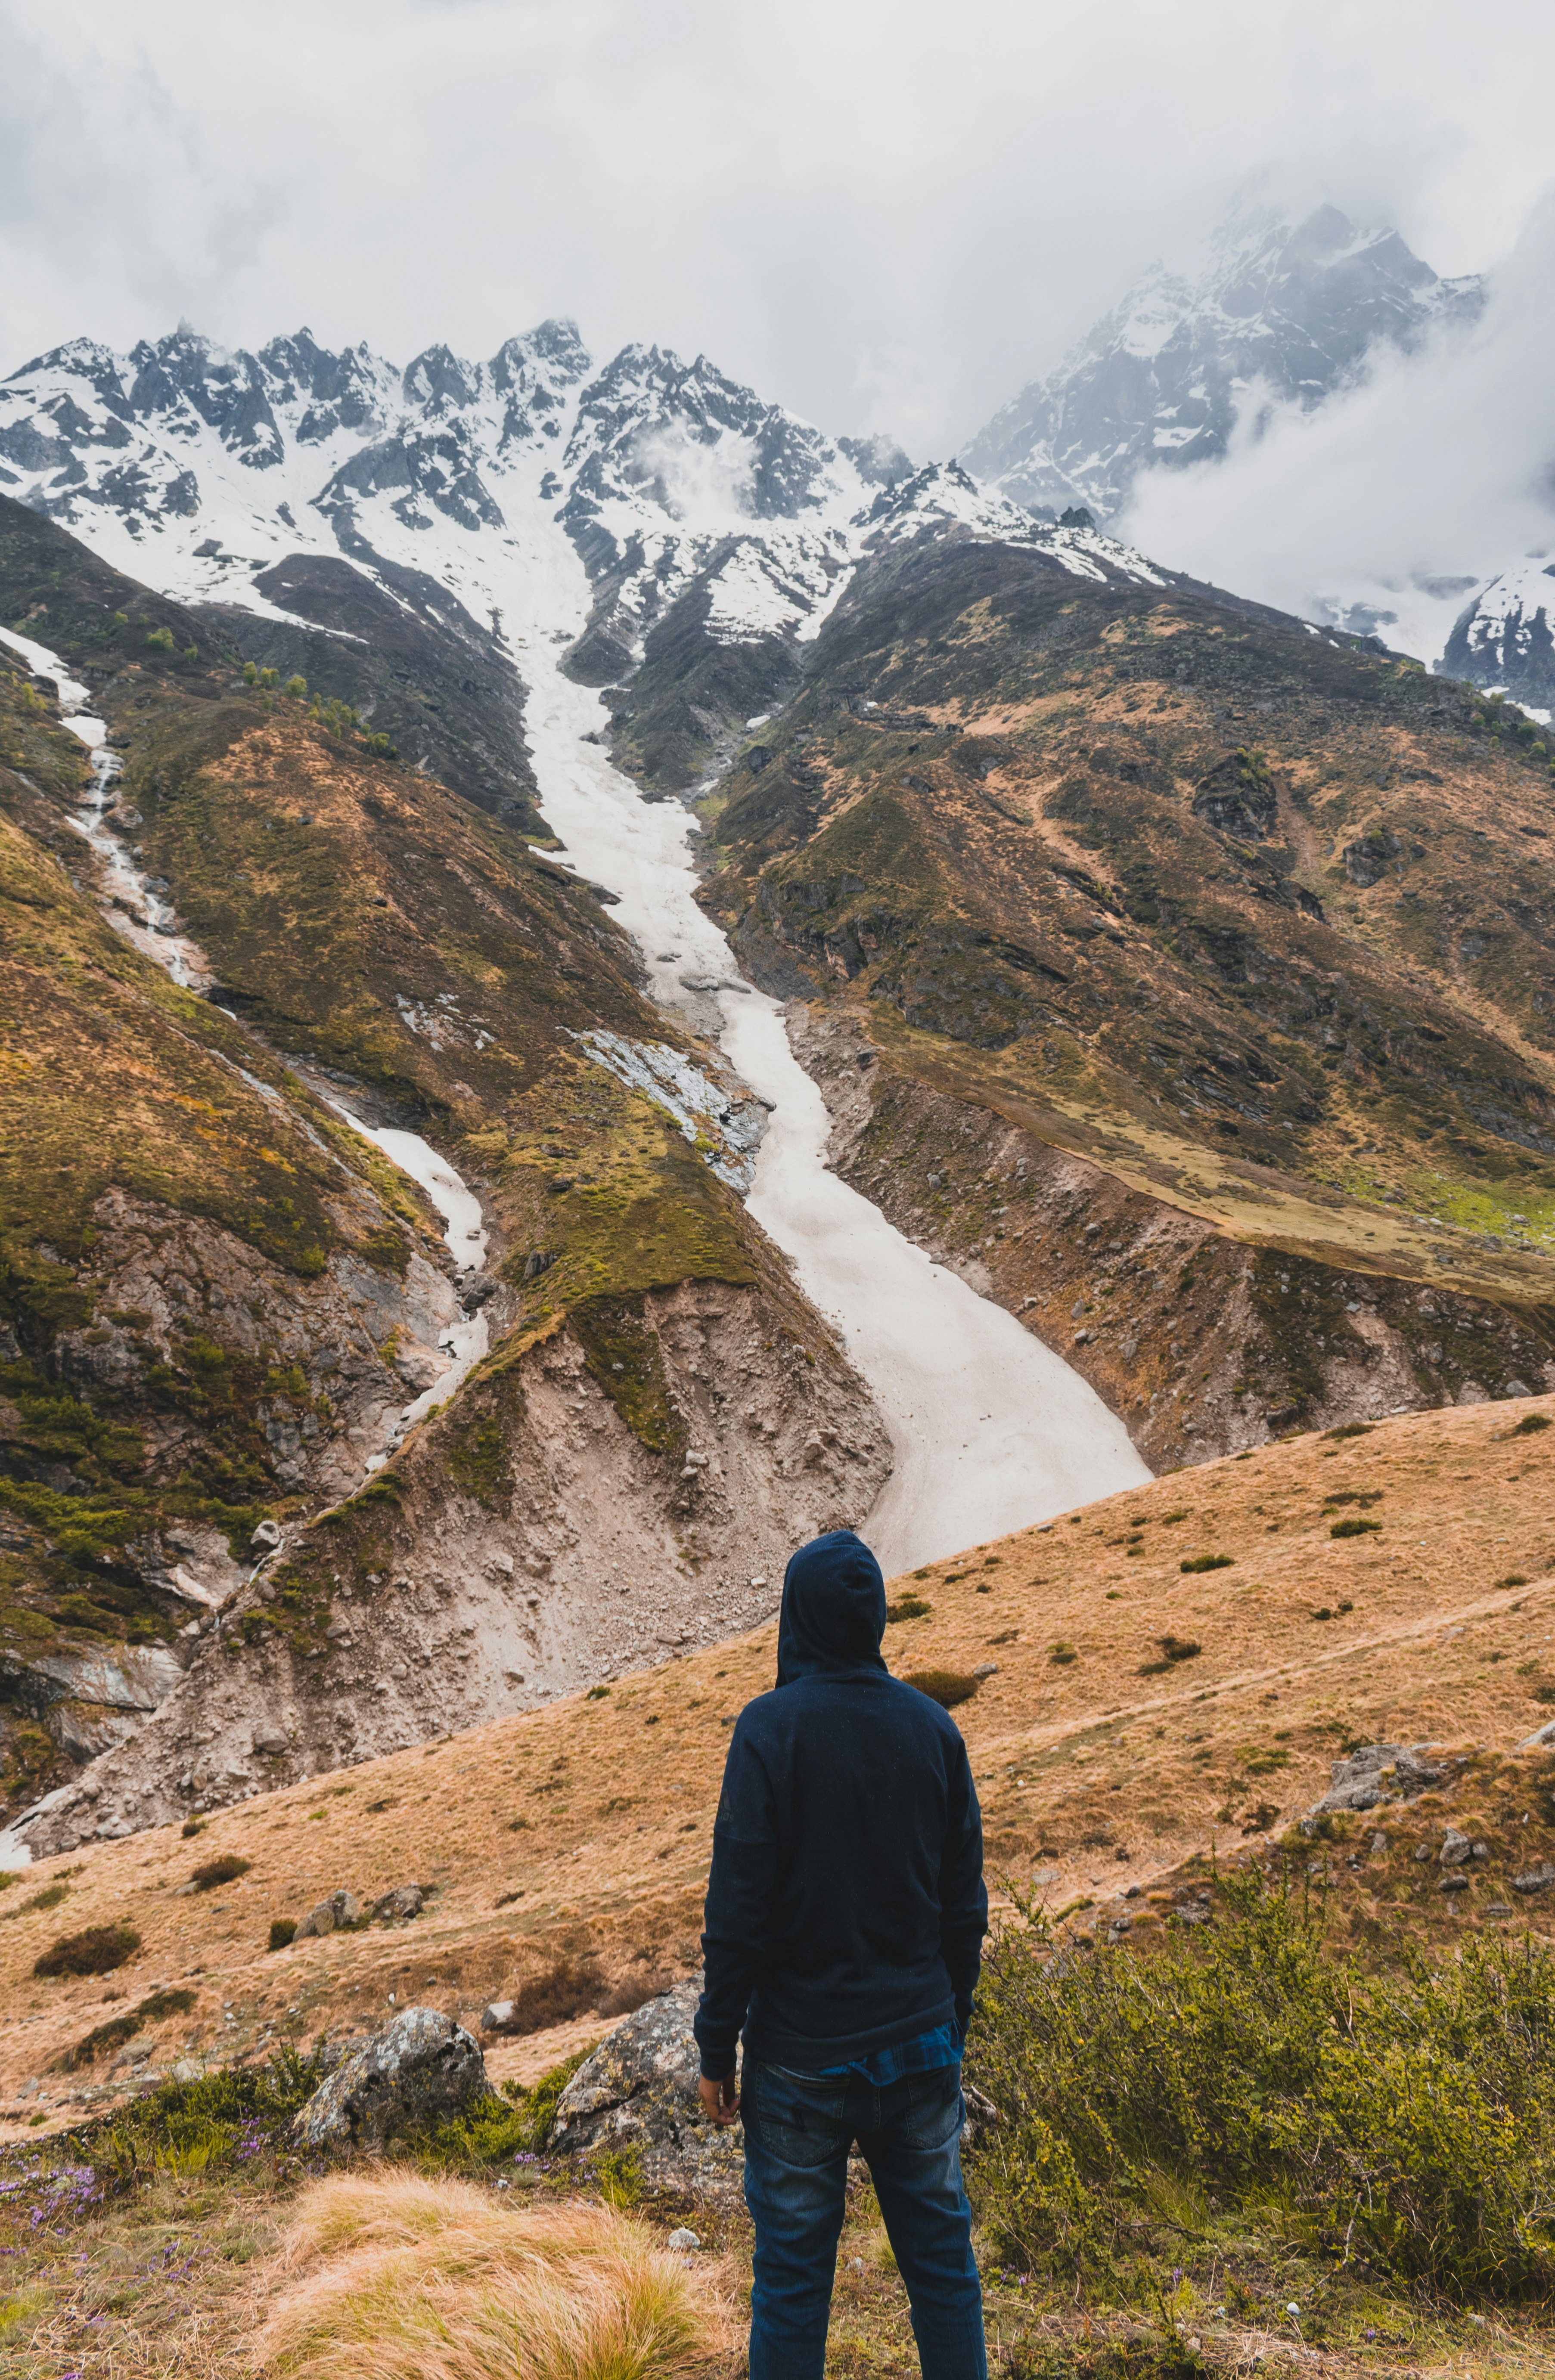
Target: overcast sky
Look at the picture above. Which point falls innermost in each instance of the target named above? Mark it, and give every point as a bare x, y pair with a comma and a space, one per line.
887, 214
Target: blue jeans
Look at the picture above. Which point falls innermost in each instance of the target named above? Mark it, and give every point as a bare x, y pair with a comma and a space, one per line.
799, 2129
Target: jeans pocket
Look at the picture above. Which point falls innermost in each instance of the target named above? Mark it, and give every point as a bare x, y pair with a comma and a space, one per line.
934, 2112
802, 2124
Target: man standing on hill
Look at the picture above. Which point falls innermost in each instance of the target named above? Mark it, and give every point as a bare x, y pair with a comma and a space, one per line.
846, 1913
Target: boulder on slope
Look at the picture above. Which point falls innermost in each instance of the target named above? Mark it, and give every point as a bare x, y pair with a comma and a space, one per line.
421, 2069
638, 2091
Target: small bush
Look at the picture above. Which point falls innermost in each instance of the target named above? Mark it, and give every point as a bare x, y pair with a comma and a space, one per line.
282, 1931
946, 1687
1172, 1649
223, 1869
1512, 1578
95, 1952
1062, 1653
596, 1693
1207, 1561
1354, 1527
1349, 1430
161, 640
298, 687
120, 2029
192, 1827
907, 1606
1528, 1424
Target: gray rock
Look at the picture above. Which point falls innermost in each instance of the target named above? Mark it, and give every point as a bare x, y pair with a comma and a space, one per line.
1538, 1879
342, 1909
1453, 1882
1543, 1735
404, 1902
684, 2238
1380, 1772
500, 2016
1455, 1848
421, 2069
639, 2090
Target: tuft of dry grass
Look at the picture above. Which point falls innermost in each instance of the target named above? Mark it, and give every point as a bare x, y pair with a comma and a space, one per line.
391, 2276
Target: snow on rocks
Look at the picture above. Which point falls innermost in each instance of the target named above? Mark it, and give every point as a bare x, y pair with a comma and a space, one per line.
697, 1104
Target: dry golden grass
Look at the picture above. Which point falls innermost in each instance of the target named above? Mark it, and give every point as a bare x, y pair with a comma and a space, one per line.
582, 1832
390, 2276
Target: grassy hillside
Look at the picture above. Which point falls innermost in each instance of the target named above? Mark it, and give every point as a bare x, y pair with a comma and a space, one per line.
1133, 1713
1258, 928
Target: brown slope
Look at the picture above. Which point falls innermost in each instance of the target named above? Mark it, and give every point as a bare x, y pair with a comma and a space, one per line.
578, 1836
1166, 900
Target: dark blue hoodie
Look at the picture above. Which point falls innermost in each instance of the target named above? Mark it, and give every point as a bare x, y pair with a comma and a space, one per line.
845, 1910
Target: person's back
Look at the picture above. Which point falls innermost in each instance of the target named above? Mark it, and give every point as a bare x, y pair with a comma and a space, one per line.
844, 1916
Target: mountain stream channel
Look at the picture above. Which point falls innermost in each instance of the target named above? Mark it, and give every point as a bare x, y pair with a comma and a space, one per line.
991, 1431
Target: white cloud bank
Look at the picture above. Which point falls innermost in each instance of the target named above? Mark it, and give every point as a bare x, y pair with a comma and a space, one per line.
1436, 468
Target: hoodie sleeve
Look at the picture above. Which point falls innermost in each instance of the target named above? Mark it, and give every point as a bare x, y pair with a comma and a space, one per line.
963, 1896
740, 1904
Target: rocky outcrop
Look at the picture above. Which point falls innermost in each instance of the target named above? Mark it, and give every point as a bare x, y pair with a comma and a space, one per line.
420, 2069
638, 2092
1376, 1773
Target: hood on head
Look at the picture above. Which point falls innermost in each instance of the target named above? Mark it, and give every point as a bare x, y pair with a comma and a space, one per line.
834, 1608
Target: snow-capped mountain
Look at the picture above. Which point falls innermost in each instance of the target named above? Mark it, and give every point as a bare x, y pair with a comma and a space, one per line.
1289, 308
260, 481
1506, 637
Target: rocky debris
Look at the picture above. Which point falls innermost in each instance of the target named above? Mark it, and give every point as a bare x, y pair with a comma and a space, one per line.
503, 2015
393, 1908
1541, 1736
421, 2069
1456, 1849
331, 1917
487, 1609
684, 2238
1537, 1879
639, 2090
1376, 1773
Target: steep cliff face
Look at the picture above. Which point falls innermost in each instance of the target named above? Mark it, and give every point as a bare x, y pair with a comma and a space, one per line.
1182, 910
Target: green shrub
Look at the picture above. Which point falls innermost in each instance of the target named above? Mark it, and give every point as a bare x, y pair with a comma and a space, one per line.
1354, 1527
1207, 1561
162, 638
120, 2029
1528, 1424
1348, 1429
191, 652
906, 1607
251, 673
95, 1952
282, 1931
1062, 1653
298, 686
184, 2128
1407, 2119
225, 1868
946, 1687
518, 2124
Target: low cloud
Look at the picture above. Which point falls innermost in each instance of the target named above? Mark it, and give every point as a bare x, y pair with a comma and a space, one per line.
1434, 469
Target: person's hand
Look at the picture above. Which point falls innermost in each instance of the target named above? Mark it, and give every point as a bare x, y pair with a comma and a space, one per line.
720, 2100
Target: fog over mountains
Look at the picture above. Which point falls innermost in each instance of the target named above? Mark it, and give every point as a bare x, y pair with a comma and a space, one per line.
676, 484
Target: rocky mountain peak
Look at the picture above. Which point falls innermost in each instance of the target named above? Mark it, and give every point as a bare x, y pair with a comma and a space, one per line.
1292, 306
